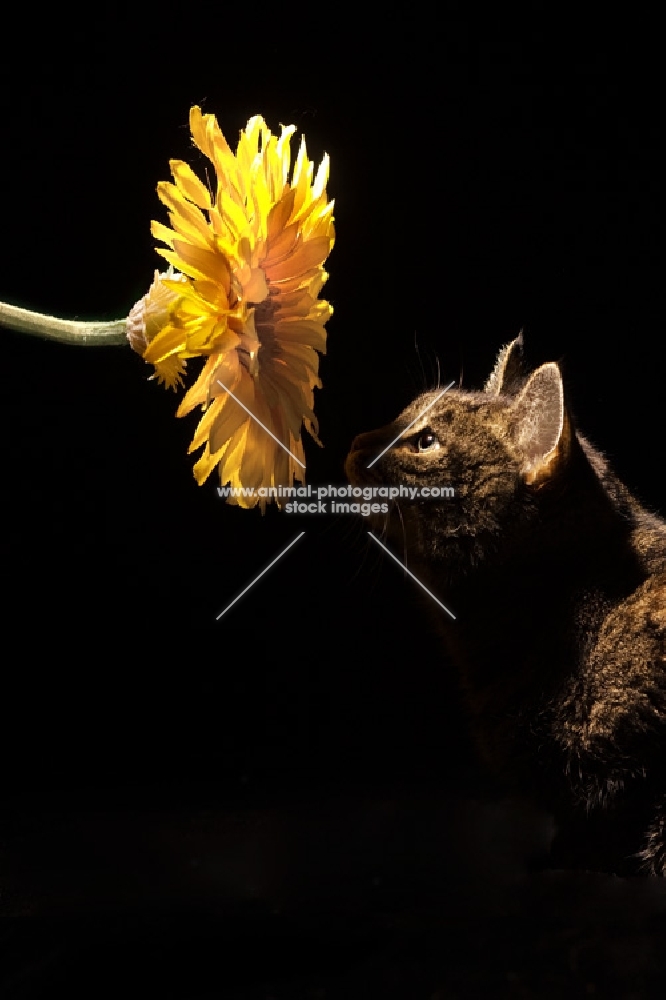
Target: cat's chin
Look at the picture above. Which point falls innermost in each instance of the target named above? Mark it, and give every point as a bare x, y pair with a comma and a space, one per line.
452, 551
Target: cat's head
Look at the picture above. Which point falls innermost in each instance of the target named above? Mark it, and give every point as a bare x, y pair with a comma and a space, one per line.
498, 450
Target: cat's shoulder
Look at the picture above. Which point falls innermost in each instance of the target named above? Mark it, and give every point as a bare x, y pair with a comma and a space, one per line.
624, 676
639, 619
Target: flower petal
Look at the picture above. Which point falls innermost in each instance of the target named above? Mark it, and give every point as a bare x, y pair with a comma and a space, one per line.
232, 417
188, 182
304, 257
168, 341
207, 263
304, 331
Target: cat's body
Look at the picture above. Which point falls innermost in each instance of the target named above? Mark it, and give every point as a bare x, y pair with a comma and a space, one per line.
557, 578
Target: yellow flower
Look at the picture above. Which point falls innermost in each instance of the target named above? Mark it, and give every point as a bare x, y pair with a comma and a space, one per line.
248, 259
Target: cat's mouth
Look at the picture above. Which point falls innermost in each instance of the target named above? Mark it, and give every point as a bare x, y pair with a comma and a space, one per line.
355, 468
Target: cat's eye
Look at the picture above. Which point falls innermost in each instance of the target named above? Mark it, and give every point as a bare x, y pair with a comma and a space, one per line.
427, 441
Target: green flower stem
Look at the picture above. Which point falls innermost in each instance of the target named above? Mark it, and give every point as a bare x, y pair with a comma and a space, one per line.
66, 331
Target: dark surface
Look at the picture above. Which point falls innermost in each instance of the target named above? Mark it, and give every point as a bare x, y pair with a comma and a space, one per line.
285, 803
406, 894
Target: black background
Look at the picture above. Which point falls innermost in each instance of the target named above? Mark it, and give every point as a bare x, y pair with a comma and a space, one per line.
485, 179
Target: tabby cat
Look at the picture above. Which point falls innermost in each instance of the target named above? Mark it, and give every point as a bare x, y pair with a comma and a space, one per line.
557, 578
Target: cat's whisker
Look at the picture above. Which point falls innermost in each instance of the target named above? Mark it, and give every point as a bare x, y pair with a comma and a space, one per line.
349, 530
377, 566
418, 354
370, 570
426, 381
404, 534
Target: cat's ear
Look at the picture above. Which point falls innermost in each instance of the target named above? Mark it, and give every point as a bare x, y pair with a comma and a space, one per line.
507, 375
540, 423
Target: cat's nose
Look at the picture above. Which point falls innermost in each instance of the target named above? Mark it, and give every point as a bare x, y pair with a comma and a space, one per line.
365, 448
355, 463
364, 441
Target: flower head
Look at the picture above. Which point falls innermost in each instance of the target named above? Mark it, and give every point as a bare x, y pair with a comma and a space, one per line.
248, 258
